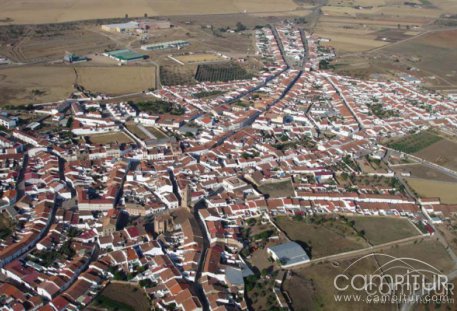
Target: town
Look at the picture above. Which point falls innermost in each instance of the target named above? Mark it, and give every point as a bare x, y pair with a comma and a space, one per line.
191, 195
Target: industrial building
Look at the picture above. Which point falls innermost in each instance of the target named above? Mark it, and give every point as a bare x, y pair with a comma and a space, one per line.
125, 56
288, 254
165, 45
123, 27
137, 26
73, 58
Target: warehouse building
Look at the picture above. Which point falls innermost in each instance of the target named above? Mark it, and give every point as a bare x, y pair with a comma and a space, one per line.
125, 56
165, 45
123, 27
288, 254
137, 26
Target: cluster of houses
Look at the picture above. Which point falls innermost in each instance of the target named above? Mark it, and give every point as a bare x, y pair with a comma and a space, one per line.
168, 213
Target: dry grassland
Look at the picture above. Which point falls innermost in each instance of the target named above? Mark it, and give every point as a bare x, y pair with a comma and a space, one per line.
442, 153
55, 11
433, 188
428, 250
116, 80
355, 29
313, 288
379, 230
18, 85
199, 58
324, 239
429, 48
53, 45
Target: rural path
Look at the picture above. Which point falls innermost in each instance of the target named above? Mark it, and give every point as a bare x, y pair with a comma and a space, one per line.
379, 48
442, 169
408, 306
361, 252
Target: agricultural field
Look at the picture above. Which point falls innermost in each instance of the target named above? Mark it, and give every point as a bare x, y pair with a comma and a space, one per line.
442, 153
53, 11
379, 230
221, 72
426, 49
41, 83
369, 26
433, 188
280, 189
52, 44
322, 236
116, 80
24, 85
199, 58
415, 142
103, 139
118, 296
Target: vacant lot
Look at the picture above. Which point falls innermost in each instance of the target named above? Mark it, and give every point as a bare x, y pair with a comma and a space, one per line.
117, 137
417, 170
428, 250
322, 238
379, 230
446, 191
279, 189
415, 142
27, 84
132, 127
53, 11
118, 296
156, 132
199, 58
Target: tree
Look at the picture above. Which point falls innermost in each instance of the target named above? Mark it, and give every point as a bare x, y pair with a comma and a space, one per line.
240, 27
70, 121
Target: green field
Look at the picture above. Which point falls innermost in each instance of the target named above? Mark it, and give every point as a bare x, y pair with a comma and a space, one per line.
5, 226
221, 72
415, 142
122, 296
